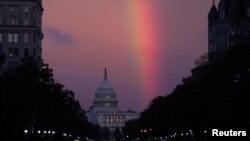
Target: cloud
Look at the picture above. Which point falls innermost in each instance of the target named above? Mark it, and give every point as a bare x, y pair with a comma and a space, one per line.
58, 35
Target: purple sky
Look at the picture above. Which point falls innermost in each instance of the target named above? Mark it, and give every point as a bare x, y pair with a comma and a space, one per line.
82, 37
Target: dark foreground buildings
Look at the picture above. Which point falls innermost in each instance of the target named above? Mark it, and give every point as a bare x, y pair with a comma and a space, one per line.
228, 26
20, 30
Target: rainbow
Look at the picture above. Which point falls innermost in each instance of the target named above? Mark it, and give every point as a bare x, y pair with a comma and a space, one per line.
144, 46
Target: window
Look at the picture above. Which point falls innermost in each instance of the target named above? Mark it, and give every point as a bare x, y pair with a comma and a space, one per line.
34, 52
15, 38
248, 12
13, 9
1, 11
12, 64
13, 20
232, 31
34, 38
211, 48
26, 21
1, 8
26, 38
26, 9
1, 37
245, 31
1, 20
222, 14
232, 43
34, 21
12, 37
13, 52
26, 52
34, 9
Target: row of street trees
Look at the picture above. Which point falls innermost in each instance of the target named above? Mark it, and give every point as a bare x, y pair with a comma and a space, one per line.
30, 99
216, 95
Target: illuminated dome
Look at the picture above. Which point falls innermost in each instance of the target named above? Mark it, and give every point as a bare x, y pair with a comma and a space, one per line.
105, 96
105, 111
105, 85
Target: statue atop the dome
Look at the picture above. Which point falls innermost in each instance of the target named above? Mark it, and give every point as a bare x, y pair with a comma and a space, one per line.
105, 75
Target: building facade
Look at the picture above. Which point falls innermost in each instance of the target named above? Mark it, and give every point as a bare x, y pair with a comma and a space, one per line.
20, 30
105, 111
228, 26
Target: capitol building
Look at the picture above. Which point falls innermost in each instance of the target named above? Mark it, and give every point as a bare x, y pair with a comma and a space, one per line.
105, 111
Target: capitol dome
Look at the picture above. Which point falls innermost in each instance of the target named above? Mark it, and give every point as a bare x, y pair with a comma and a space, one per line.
105, 96
105, 111
105, 85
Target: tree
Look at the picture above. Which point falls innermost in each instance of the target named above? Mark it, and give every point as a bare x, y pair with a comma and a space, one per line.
105, 133
117, 134
132, 128
31, 99
2, 59
216, 95
203, 60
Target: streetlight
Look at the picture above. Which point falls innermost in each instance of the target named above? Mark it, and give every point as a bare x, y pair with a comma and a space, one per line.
26, 134
26, 131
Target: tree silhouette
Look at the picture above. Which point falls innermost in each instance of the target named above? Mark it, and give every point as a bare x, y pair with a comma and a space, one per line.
31, 99
214, 96
117, 134
2, 59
